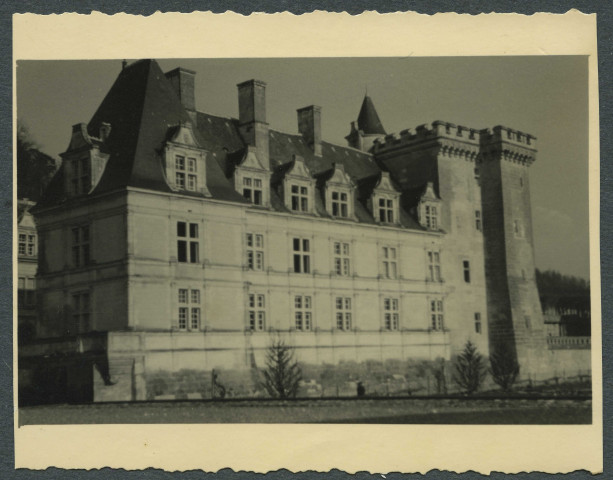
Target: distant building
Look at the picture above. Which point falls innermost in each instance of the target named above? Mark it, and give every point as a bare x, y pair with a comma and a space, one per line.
27, 254
192, 239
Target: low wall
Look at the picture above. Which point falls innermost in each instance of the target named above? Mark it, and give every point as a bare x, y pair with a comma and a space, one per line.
176, 351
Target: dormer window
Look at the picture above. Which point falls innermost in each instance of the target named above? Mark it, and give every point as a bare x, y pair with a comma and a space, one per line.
83, 161
386, 210
80, 176
431, 217
185, 161
186, 173
299, 187
252, 190
340, 204
385, 201
252, 180
300, 198
339, 193
429, 209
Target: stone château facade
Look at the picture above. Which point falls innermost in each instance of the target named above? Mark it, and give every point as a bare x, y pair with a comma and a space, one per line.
193, 239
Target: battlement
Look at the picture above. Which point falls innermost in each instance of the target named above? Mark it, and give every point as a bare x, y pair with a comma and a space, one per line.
435, 131
440, 130
505, 134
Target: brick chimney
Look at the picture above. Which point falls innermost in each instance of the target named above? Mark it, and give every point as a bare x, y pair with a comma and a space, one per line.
182, 81
252, 118
309, 125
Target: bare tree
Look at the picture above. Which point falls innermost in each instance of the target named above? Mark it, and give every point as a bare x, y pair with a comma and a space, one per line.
470, 369
282, 375
504, 367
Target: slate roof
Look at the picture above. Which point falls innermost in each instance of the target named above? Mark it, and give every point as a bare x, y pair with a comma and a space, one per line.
141, 108
368, 119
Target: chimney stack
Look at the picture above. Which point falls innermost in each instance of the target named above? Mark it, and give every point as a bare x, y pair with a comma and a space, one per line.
309, 125
182, 81
252, 118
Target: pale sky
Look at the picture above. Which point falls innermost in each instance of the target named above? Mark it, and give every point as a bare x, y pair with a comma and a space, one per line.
545, 96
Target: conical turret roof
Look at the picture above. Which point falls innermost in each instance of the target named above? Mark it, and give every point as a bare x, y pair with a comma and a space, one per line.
368, 119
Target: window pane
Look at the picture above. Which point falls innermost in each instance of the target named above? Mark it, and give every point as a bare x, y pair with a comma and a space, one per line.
251, 300
183, 295
249, 240
193, 252
257, 197
305, 245
297, 264
294, 188
306, 263
182, 251
181, 229
296, 244
195, 296
298, 301
303, 191
307, 302
193, 230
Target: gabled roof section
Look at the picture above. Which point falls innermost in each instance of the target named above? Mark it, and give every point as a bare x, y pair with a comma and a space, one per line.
368, 119
250, 160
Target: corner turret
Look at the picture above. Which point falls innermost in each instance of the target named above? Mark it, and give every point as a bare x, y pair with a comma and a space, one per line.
367, 128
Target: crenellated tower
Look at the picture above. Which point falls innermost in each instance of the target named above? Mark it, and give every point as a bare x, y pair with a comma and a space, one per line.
514, 310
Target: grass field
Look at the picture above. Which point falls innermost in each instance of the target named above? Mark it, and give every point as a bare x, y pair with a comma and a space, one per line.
390, 411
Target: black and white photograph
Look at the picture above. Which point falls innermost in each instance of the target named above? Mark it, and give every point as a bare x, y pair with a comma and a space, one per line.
323, 240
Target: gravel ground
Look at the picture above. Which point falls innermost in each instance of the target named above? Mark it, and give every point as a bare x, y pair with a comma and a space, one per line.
400, 411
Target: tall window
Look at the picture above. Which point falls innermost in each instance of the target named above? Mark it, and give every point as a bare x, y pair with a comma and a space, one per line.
299, 198
386, 210
466, 270
81, 175
187, 242
343, 313
478, 222
27, 244
80, 245
431, 217
80, 312
186, 174
342, 262
434, 266
302, 255
252, 190
340, 204
26, 291
477, 322
389, 264
436, 315
189, 309
257, 312
255, 251
303, 312
390, 314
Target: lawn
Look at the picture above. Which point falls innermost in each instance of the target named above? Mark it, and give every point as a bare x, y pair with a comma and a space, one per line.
390, 411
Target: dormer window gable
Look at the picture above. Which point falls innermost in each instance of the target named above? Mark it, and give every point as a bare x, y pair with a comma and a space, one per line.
185, 161
386, 201
83, 161
429, 209
340, 193
299, 187
252, 180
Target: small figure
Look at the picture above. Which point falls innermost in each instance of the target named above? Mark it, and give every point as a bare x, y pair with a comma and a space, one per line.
361, 389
